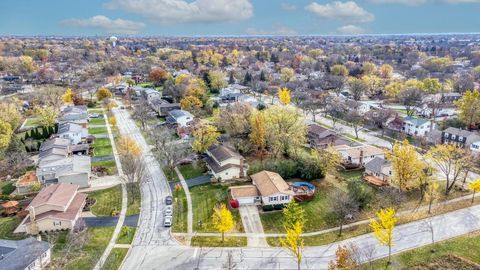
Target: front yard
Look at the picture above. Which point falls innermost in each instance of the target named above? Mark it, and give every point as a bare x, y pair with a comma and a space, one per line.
109, 201
204, 199
97, 130
110, 165
7, 226
102, 147
193, 170
100, 121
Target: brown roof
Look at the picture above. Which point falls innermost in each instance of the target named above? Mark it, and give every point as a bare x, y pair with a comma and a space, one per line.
57, 194
27, 179
269, 183
70, 214
216, 167
221, 153
244, 191
10, 204
368, 150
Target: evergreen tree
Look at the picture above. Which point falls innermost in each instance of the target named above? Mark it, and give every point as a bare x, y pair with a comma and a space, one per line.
247, 79
263, 77
231, 80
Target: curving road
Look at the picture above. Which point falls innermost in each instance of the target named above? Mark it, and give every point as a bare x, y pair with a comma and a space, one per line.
154, 247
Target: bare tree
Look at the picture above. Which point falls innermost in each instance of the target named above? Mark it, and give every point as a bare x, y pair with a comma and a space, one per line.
135, 171
169, 151
411, 99
379, 118
342, 208
70, 249
142, 113
355, 119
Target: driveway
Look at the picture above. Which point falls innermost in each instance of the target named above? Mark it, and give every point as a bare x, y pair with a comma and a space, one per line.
98, 183
253, 226
130, 221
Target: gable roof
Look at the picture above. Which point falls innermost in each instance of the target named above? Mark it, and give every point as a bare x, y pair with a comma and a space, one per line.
460, 132
415, 121
222, 153
269, 183
20, 254
69, 127
57, 194
54, 143
179, 113
376, 164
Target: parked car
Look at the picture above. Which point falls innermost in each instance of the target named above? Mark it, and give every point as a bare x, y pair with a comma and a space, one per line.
168, 210
167, 222
94, 115
168, 200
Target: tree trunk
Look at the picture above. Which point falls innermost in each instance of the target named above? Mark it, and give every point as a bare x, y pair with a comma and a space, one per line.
223, 237
430, 206
473, 196
298, 264
341, 229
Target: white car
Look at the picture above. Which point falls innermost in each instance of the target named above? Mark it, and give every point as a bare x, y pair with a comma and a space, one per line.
167, 222
168, 210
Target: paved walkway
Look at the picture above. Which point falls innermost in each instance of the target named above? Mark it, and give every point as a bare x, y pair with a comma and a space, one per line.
104, 182
123, 211
189, 204
253, 226
122, 246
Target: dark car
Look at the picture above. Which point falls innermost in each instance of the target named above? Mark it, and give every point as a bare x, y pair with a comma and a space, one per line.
168, 200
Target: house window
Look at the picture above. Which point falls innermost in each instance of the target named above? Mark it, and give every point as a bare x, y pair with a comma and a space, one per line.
57, 223
445, 135
454, 137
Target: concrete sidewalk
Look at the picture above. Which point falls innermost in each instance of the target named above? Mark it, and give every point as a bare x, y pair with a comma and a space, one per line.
189, 205
253, 226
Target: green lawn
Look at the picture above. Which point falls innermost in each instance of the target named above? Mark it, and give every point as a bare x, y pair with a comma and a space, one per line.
126, 235
115, 259
134, 199
191, 171
216, 241
109, 201
7, 226
96, 110
180, 209
87, 256
102, 147
31, 122
97, 121
109, 164
98, 130
170, 174
204, 199
315, 213
467, 246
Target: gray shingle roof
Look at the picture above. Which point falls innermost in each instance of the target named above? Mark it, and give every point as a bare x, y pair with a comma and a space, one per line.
18, 255
376, 164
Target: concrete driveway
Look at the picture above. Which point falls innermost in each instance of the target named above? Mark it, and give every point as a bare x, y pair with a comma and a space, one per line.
253, 226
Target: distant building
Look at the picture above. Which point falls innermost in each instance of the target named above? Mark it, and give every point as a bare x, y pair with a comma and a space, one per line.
416, 126
322, 138
461, 138
56, 207
358, 156
26, 254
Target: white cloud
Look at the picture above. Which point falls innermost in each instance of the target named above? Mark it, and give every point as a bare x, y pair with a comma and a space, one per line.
117, 26
350, 30
181, 11
462, 1
276, 31
288, 7
402, 2
345, 11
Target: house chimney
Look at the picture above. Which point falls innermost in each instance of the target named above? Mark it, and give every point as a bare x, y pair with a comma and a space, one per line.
242, 173
361, 158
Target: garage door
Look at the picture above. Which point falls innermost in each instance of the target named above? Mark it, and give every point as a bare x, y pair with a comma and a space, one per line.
245, 200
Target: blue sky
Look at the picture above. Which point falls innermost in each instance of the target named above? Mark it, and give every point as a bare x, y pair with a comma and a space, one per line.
236, 17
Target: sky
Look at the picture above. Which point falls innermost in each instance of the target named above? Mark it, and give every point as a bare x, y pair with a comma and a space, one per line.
236, 17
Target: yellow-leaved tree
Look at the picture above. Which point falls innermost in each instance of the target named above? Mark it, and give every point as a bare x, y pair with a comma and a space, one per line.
284, 96
190, 103
128, 146
475, 187
384, 227
258, 134
103, 93
293, 242
432, 193
6, 133
68, 96
204, 137
407, 167
222, 220
469, 108
112, 121
47, 116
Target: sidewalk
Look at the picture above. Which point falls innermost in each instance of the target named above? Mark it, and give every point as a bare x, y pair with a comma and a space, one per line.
123, 211
189, 204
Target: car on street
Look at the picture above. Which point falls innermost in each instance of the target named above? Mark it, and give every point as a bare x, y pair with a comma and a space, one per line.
168, 200
167, 222
94, 115
168, 210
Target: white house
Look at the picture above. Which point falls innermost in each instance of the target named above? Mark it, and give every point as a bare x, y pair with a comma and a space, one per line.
475, 148
73, 132
29, 253
73, 170
224, 163
272, 188
416, 126
75, 114
180, 117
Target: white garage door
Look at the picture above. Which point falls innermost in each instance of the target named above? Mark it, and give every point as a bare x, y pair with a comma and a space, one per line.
245, 200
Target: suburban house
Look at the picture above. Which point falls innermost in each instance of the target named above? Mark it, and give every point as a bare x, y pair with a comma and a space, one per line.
378, 171
358, 156
234, 89
58, 148
461, 138
151, 94
75, 114
416, 126
72, 170
56, 207
224, 163
163, 107
75, 133
268, 188
179, 117
25, 183
30, 254
322, 138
